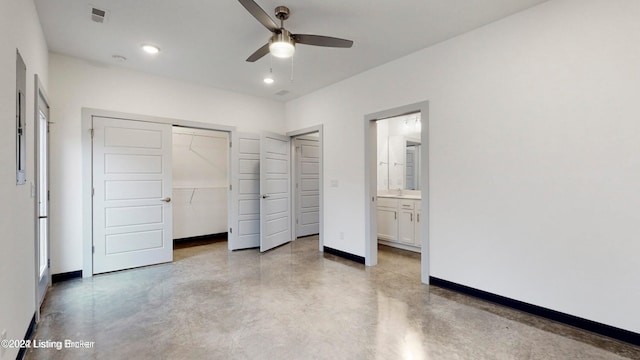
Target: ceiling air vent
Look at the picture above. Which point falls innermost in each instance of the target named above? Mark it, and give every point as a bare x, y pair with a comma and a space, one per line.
282, 92
98, 15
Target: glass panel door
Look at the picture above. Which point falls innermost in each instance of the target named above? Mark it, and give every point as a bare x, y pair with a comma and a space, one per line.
42, 194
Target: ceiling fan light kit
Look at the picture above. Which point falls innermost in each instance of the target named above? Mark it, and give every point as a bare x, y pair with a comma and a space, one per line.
282, 45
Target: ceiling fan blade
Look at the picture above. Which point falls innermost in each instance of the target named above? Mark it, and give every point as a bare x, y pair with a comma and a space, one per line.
264, 50
258, 13
319, 40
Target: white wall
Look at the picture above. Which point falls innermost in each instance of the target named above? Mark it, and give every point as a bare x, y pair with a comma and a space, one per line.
76, 83
382, 157
19, 29
534, 166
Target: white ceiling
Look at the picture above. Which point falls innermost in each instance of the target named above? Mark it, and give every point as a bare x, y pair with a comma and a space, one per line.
207, 41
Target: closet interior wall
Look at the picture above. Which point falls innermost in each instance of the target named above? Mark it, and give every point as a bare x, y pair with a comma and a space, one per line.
200, 182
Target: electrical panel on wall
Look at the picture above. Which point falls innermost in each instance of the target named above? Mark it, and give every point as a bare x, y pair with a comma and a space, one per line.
21, 138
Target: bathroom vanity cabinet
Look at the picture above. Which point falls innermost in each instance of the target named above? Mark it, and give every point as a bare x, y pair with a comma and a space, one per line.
398, 220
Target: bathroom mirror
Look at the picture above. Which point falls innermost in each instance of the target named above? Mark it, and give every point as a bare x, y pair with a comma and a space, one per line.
399, 152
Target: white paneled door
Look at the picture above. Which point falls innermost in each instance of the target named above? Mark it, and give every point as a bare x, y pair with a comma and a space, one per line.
308, 186
244, 229
275, 190
132, 214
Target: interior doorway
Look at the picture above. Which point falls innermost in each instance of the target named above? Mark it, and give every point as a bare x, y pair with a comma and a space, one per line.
200, 186
307, 185
43, 273
398, 209
263, 172
390, 207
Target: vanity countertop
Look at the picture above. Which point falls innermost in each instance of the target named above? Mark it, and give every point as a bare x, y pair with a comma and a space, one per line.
403, 196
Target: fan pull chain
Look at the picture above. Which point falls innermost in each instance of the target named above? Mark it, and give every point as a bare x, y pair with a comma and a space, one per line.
292, 68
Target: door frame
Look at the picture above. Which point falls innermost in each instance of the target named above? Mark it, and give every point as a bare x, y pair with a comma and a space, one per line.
301, 132
40, 95
87, 164
371, 181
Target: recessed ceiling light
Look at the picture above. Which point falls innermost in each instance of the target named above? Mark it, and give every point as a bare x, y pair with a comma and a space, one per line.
150, 49
268, 80
119, 58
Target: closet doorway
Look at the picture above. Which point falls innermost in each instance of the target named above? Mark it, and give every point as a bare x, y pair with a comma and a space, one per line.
127, 186
200, 186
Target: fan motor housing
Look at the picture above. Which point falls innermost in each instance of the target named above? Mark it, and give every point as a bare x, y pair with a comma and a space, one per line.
282, 13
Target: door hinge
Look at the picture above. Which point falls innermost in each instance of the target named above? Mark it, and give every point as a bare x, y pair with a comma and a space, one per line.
93, 191
91, 132
48, 195
297, 222
49, 263
93, 249
230, 230
230, 187
230, 144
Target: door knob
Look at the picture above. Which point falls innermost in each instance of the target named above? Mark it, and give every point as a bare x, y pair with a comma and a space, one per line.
167, 199
265, 196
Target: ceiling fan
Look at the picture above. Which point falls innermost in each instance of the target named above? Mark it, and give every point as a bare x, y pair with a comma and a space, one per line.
282, 43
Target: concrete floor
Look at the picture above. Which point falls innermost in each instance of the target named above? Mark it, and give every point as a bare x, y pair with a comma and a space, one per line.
294, 302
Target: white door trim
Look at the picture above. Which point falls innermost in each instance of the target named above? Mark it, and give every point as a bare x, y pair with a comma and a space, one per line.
371, 179
87, 181
306, 131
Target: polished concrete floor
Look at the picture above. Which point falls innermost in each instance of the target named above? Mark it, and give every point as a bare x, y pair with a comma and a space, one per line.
294, 302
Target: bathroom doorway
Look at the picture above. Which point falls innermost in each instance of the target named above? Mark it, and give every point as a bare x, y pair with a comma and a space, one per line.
396, 202
398, 187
